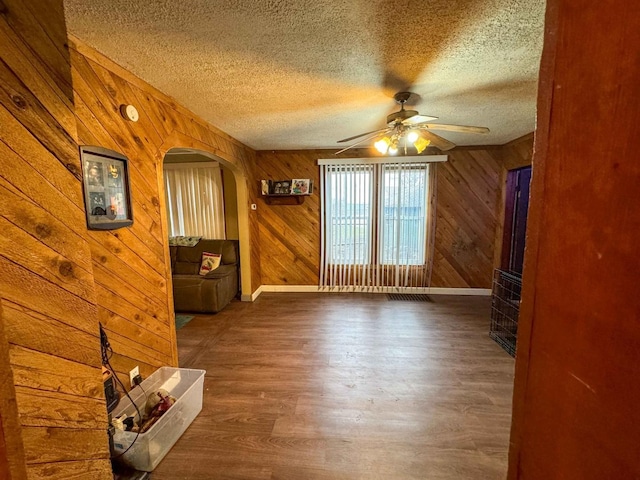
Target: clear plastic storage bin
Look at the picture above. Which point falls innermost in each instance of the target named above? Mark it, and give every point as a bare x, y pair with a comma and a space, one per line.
152, 446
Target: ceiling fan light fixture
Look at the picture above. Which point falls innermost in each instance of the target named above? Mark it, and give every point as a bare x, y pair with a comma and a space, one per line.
382, 145
412, 136
421, 143
408, 128
393, 148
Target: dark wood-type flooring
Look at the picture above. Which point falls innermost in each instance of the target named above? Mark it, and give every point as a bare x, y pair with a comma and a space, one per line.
346, 386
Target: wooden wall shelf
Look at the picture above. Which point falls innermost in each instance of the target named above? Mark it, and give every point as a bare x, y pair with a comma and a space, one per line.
286, 192
284, 199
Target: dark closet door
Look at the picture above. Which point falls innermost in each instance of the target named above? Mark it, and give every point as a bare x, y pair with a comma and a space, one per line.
515, 225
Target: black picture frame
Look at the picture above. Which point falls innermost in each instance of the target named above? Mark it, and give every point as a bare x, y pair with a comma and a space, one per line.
107, 193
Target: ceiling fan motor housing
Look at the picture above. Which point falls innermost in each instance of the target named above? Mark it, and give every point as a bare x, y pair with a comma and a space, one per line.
400, 115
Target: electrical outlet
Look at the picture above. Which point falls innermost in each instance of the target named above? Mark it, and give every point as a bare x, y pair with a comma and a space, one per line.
132, 374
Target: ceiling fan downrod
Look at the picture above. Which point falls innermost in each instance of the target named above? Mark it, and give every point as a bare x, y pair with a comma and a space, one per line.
402, 114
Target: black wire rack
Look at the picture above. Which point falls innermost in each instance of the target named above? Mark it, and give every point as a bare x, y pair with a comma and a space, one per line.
505, 307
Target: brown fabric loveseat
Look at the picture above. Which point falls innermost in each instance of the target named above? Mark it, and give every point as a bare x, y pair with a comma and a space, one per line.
209, 293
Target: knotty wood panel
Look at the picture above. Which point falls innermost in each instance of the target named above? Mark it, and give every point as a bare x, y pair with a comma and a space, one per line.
290, 234
576, 395
58, 279
468, 193
12, 461
88, 469
67, 441
467, 208
44, 253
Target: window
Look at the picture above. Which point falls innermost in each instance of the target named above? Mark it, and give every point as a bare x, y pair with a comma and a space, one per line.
349, 213
195, 200
403, 213
376, 221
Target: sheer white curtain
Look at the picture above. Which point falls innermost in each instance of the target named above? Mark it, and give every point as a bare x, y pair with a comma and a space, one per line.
195, 200
378, 222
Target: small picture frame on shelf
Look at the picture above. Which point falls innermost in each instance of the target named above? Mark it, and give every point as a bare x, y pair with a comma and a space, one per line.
281, 187
301, 186
106, 189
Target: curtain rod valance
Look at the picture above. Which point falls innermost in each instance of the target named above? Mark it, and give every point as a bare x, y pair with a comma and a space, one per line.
376, 160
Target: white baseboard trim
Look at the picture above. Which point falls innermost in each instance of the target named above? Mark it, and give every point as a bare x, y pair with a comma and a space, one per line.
317, 289
253, 296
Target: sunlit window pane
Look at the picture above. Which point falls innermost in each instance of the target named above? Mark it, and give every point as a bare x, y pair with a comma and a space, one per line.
403, 214
393, 228
349, 214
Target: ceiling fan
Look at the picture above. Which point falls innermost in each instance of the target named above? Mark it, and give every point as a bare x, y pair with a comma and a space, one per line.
407, 128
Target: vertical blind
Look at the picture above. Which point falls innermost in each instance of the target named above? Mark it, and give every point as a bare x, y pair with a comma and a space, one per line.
195, 200
377, 228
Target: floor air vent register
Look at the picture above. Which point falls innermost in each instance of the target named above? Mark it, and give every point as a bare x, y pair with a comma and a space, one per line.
406, 297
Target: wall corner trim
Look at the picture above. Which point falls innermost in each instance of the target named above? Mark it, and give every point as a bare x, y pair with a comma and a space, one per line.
253, 296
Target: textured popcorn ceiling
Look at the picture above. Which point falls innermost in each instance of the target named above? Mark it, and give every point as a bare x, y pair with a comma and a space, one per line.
289, 74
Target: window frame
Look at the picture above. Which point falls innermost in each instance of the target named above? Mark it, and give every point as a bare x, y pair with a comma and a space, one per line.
375, 255
425, 218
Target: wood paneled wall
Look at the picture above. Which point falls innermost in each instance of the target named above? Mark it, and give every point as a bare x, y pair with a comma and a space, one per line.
576, 391
48, 294
57, 278
467, 212
12, 464
468, 195
518, 153
131, 267
5, 471
289, 233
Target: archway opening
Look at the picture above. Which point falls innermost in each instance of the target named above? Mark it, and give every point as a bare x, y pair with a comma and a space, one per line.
223, 190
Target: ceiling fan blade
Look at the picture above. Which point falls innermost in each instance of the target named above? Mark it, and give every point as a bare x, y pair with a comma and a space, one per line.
362, 135
455, 128
386, 130
416, 119
437, 141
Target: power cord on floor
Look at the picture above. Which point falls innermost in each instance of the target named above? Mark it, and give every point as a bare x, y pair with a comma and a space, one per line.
107, 353
137, 381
